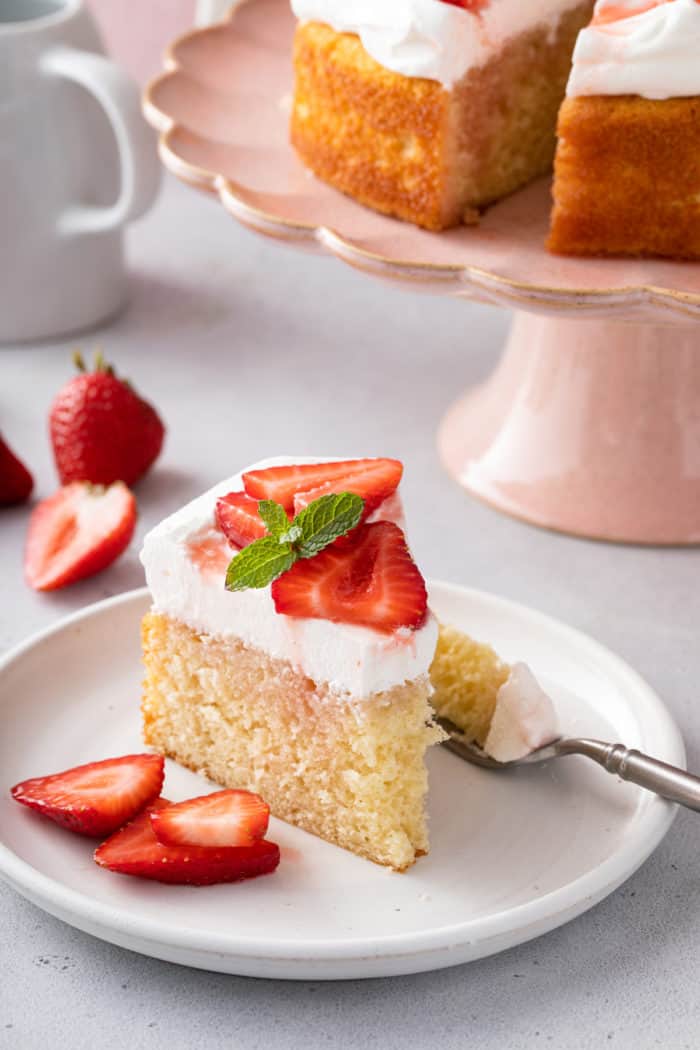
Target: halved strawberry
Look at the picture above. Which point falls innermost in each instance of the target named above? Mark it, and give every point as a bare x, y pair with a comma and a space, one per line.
224, 818
367, 578
237, 517
77, 532
135, 850
97, 798
374, 479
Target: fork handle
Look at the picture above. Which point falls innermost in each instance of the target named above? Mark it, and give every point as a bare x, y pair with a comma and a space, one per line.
668, 781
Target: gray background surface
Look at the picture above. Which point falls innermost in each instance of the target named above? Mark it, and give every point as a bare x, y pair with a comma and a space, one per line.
250, 349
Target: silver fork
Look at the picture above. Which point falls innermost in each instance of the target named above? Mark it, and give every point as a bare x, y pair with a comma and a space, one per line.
668, 781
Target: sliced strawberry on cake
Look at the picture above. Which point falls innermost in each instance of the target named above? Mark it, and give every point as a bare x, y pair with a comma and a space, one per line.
97, 798
238, 518
300, 671
297, 485
368, 578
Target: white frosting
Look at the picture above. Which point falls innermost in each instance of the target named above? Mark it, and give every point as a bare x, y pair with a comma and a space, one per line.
351, 660
654, 53
431, 38
523, 718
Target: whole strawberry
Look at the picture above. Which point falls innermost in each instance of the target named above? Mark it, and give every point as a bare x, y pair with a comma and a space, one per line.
16, 483
101, 430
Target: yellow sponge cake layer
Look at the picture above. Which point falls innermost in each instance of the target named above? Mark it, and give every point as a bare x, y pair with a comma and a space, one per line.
350, 771
466, 677
627, 177
410, 148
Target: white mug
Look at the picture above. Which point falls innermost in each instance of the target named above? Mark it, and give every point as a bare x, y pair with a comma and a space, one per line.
77, 162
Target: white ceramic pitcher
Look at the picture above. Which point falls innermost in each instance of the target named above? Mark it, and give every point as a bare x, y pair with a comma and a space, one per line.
77, 162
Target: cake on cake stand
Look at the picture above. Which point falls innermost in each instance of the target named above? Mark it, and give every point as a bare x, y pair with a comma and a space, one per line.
590, 423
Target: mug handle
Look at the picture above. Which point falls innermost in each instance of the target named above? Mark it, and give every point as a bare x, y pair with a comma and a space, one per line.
120, 100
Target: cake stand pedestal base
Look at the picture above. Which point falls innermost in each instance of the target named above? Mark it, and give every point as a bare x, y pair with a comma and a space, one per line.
587, 427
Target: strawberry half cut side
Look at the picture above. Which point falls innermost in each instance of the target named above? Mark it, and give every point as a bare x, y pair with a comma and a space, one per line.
135, 850
97, 798
77, 532
237, 516
282, 484
367, 578
224, 818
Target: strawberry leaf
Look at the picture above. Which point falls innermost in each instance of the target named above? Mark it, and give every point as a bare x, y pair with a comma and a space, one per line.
325, 520
259, 564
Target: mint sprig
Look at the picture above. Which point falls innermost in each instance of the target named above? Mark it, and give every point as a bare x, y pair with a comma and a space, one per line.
324, 520
314, 528
274, 516
259, 564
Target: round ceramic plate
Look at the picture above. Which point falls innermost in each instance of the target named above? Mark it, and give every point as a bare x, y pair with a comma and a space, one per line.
513, 854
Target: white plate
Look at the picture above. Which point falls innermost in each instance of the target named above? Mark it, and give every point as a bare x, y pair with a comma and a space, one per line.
513, 855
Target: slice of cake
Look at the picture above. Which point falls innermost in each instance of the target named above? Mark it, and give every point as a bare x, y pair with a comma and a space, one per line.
288, 647
429, 110
627, 176
500, 707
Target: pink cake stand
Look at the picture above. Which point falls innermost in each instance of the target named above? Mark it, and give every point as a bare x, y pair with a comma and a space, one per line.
590, 424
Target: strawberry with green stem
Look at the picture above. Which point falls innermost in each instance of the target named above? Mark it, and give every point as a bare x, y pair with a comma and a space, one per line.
101, 430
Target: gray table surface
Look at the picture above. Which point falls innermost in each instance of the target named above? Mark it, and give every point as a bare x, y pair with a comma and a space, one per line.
251, 349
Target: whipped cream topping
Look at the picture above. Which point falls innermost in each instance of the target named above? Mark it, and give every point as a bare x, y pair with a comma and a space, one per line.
185, 558
523, 718
649, 48
432, 38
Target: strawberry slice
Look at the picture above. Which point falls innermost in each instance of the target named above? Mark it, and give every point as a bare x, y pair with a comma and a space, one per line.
77, 532
97, 798
374, 483
475, 6
237, 516
367, 578
373, 479
135, 850
224, 818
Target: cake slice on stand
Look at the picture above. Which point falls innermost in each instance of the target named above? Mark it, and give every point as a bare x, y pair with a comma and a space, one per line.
429, 110
288, 650
627, 171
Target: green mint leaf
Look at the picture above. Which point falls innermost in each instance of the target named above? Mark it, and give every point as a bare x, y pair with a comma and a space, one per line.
324, 520
292, 534
314, 528
274, 516
259, 563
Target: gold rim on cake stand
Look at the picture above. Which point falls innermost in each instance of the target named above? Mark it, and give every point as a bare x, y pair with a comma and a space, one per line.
588, 425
